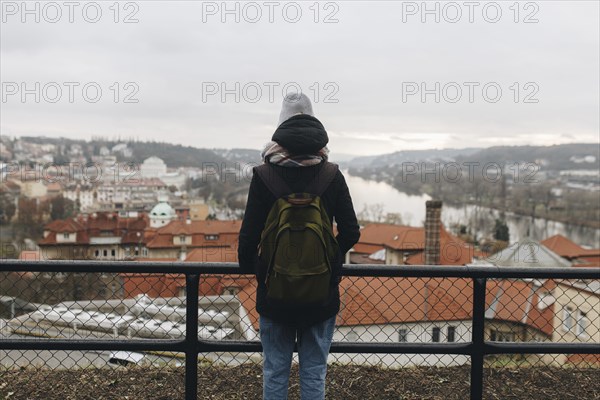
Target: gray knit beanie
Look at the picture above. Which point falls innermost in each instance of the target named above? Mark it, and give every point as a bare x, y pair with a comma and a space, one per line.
295, 103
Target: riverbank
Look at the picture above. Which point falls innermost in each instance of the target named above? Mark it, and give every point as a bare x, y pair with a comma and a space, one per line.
479, 220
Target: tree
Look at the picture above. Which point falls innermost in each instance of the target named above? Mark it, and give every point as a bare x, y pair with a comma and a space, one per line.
61, 208
30, 219
7, 208
393, 218
371, 213
501, 231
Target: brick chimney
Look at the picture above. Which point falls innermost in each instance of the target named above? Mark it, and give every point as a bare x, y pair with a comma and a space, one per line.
433, 213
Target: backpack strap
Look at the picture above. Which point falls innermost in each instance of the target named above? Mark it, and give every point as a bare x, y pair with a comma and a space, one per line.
272, 180
280, 188
323, 178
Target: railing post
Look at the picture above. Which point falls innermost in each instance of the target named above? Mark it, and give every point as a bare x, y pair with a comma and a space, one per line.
192, 283
478, 349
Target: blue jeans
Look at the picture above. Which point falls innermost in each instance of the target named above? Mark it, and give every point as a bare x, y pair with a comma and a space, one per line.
278, 347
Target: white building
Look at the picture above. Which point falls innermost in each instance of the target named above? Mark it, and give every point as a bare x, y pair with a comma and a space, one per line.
123, 149
85, 195
176, 179
153, 167
137, 194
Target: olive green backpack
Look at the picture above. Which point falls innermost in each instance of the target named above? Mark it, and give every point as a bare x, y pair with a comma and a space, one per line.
297, 243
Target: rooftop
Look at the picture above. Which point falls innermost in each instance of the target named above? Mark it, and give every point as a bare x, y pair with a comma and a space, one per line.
567, 248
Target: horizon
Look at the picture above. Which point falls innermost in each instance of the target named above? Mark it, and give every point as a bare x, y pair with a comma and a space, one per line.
345, 155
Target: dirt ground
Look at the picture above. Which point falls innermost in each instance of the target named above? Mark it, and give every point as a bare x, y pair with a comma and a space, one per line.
343, 382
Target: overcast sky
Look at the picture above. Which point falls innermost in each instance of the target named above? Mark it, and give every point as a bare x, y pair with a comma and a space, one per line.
364, 70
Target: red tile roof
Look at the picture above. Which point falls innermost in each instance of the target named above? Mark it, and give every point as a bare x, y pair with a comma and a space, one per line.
82, 238
398, 300
451, 253
205, 227
517, 302
379, 301
153, 285
218, 254
98, 224
412, 238
373, 236
227, 232
567, 248
401, 300
366, 248
64, 226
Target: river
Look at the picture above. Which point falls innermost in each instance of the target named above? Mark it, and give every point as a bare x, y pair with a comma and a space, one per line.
480, 220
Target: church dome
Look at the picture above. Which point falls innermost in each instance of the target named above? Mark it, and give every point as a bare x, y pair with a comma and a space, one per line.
162, 211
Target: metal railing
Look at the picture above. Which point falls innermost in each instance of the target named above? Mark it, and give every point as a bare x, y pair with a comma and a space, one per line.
477, 348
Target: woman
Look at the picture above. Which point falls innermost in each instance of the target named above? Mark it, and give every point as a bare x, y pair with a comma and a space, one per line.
297, 153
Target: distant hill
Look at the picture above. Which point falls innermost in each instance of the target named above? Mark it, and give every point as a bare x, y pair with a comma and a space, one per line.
239, 155
174, 155
399, 157
341, 158
557, 157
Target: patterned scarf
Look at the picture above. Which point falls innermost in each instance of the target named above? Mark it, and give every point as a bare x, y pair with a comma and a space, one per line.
279, 155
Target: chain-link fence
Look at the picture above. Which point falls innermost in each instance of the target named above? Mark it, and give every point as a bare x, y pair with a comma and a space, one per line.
111, 330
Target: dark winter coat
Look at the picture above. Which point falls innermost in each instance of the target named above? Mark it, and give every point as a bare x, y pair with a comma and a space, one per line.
337, 203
